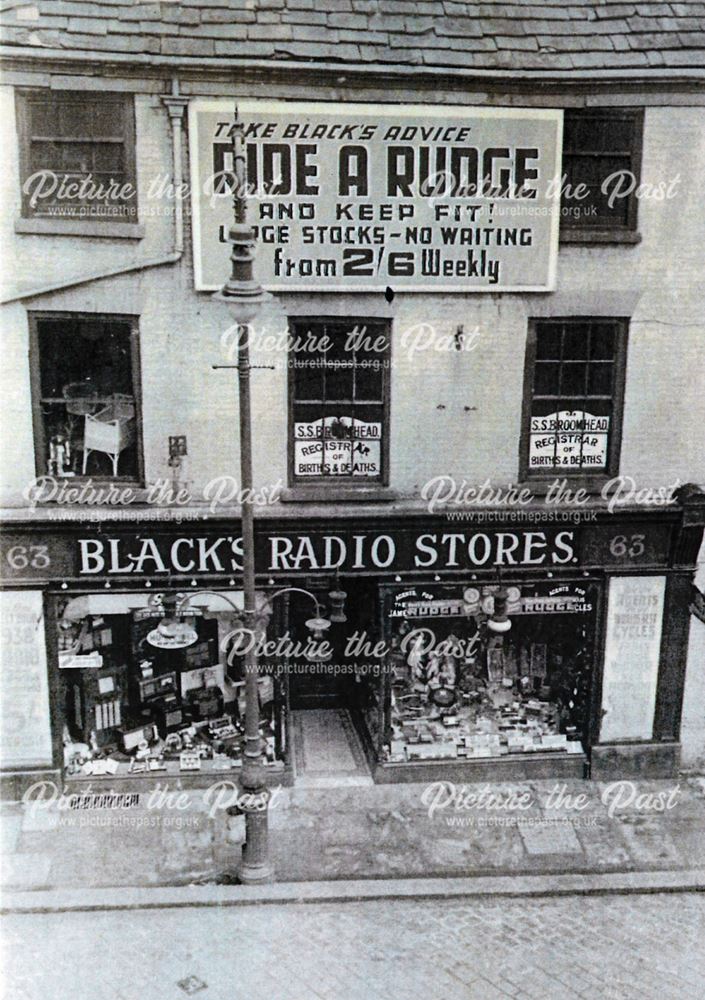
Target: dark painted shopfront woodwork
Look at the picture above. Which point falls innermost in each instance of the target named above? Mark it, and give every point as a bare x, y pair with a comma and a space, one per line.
378, 558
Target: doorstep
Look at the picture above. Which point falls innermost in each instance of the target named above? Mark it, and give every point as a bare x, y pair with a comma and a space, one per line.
326, 750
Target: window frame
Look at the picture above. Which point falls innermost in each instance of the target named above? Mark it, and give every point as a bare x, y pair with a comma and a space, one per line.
588, 479
40, 442
23, 97
340, 484
575, 232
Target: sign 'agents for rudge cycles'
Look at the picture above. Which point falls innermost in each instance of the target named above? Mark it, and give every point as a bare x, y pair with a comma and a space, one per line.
362, 196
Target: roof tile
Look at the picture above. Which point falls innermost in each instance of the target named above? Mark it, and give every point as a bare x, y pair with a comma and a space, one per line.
653, 9
691, 39
370, 37
688, 10
684, 57
304, 17
344, 20
321, 50
510, 26
313, 34
486, 44
67, 8
91, 25
13, 34
565, 13
521, 44
176, 14
171, 46
386, 22
379, 54
638, 23
418, 25
450, 58
650, 40
457, 26
276, 32
218, 16
139, 11
682, 23
254, 50
572, 43
226, 30
615, 10
594, 60
540, 35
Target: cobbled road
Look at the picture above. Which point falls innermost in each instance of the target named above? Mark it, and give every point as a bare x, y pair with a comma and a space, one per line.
635, 947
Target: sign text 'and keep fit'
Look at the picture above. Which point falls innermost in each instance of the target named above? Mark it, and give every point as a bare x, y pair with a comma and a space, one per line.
365, 197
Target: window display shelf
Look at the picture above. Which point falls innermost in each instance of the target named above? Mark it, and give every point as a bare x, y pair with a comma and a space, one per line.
494, 723
212, 746
463, 692
136, 707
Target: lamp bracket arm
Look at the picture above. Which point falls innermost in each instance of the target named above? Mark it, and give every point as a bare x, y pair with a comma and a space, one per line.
298, 590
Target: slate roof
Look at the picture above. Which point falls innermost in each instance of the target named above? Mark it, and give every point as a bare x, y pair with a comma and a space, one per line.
536, 36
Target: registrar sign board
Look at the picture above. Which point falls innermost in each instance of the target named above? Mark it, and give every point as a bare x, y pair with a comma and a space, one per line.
365, 197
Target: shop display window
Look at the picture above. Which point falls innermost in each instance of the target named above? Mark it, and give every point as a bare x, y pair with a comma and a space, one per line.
339, 400
85, 399
146, 690
460, 690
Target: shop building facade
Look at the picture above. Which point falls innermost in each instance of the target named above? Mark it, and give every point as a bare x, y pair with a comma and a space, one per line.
119, 476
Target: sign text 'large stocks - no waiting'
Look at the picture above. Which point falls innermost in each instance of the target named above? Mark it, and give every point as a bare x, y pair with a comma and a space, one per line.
363, 196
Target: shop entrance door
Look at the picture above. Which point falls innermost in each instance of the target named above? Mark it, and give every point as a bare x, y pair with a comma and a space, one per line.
328, 684
312, 688
311, 685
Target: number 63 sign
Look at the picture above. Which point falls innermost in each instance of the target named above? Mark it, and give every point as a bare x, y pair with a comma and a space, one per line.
25, 558
631, 546
638, 542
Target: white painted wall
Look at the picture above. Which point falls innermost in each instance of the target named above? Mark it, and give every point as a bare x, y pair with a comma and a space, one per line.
458, 413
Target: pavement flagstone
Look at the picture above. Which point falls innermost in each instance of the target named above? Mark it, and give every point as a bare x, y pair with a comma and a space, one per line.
375, 832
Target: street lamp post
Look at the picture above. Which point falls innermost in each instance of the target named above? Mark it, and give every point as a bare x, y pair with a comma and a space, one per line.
244, 297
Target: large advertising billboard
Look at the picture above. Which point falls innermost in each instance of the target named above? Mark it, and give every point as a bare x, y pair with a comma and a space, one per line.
365, 197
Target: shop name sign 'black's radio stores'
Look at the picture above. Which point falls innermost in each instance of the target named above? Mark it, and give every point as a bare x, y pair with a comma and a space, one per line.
414, 197
347, 551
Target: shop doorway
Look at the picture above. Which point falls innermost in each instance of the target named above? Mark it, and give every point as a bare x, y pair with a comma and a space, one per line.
327, 749
330, 685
